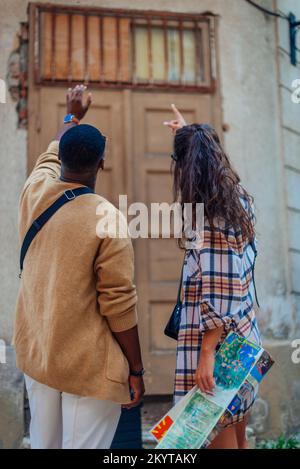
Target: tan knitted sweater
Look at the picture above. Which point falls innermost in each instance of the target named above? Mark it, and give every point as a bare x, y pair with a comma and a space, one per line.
75, 290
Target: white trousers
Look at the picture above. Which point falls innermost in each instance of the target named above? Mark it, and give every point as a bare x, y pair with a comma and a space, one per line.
62, 420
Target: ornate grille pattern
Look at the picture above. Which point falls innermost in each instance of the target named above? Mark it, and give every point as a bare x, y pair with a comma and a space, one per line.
124, 48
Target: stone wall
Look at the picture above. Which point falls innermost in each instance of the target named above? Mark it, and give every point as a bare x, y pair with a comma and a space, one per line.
290, 141
280, 395
11, 402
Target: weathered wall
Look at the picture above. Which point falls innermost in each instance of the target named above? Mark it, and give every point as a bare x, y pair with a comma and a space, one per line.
290, 140
283, 414
262, 141
12, 172
11, 403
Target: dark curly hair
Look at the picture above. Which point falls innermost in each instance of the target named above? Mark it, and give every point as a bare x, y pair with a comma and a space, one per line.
203, 174
81, 148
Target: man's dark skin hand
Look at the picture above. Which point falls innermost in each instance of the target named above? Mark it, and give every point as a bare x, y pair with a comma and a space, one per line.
128, 340
129, 343
75, 104
76, 107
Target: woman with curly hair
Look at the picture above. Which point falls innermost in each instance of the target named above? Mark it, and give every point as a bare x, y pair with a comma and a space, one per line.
217, 280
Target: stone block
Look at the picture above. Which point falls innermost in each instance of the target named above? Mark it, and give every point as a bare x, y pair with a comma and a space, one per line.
11, 402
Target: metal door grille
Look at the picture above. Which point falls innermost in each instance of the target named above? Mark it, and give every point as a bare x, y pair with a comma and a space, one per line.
123, 48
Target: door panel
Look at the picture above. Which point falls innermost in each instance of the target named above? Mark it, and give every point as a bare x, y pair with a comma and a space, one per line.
158, 261
105, 114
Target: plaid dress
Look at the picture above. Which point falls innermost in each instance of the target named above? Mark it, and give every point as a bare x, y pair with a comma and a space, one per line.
217, 290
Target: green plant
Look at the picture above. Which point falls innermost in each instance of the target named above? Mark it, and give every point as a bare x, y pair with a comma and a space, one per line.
281, 443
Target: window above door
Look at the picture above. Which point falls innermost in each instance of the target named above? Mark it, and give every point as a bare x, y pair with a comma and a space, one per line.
123, 48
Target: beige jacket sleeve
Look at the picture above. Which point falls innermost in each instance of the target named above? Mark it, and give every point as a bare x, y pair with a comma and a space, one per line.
48, 162
117, 296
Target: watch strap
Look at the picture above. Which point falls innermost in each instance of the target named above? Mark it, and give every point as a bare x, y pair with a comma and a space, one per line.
69, 118
137, 373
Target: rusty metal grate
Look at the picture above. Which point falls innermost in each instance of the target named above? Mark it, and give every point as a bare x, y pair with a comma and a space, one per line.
123, 48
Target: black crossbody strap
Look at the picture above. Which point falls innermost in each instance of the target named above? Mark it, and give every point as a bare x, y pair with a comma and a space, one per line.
66, 197
253, 269
180, 285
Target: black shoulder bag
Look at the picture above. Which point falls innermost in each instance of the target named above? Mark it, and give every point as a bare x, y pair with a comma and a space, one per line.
172, 328
66, 197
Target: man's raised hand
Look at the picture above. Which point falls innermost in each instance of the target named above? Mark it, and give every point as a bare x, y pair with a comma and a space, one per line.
75, 104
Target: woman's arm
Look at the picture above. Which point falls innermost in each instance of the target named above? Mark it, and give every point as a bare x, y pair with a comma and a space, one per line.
205, 371
178, 122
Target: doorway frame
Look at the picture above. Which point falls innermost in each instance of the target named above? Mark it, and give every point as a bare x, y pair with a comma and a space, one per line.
34, 87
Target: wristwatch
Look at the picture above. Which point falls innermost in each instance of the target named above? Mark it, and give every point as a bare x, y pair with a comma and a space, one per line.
137, 373
69, 118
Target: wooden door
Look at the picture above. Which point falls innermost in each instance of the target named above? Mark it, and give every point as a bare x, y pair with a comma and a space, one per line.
106, 114
137, 164
158, 261
130, 60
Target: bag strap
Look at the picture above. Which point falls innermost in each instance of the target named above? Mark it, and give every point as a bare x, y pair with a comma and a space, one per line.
180, 284
66, 197
253, 269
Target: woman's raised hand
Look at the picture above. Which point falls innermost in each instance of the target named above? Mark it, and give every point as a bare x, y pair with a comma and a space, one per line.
178, 122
